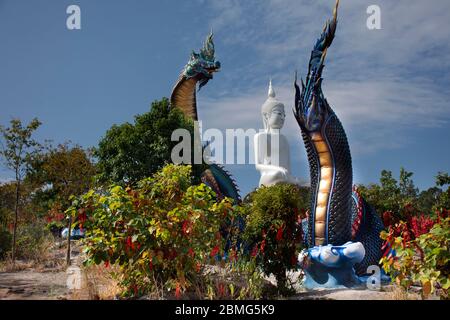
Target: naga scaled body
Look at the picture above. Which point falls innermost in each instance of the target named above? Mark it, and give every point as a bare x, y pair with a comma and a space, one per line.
199, 70
337, 215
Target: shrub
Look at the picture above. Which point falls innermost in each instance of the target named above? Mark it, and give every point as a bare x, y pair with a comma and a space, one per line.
274, 230
424, 260
414, 225
5, 242
33, 241
161, 233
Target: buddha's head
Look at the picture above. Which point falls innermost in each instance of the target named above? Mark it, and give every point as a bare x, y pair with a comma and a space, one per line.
273, 111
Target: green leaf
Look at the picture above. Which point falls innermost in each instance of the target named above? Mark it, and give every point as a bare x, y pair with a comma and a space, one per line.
445, 283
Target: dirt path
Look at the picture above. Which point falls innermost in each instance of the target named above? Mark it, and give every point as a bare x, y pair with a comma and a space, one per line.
33, 285
50, 281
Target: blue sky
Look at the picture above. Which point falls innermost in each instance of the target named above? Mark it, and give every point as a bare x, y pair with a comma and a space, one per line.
390, 87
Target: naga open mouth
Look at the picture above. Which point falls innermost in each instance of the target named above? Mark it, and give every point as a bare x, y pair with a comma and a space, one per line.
215, 68
212, 70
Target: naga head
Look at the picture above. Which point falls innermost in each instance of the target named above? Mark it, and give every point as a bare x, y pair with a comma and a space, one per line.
334, 256
311, 108
203, 64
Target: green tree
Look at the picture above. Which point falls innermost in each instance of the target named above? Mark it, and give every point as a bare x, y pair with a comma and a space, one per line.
68, 171
406, 185
8, 202
131, 152
427, 199
394, 196
17, 148
384, 196
443, 200
7, 196
442, 179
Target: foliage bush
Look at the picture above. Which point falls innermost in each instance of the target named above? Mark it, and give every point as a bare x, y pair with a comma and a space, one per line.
161, 233
273, 228
5, 242
33, 241
423, 260
414, 224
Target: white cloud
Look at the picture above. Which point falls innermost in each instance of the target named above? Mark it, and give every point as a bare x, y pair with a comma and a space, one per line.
375, 114
279, 32
387, 86
381, 83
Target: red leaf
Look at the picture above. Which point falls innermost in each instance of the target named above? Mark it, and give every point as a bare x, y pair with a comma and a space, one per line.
279, 234
221, 289
263, 245
294, 260
186, 227
214, 251
255, 251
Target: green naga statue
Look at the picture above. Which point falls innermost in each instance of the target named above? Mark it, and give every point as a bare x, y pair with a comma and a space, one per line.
199, 70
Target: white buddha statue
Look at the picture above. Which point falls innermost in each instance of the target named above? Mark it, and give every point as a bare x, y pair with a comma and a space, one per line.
272, 156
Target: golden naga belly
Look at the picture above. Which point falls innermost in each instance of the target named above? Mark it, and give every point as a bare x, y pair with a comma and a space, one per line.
325, 182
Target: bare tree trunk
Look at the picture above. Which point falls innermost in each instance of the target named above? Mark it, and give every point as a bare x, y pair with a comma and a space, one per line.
16, 215
68, 241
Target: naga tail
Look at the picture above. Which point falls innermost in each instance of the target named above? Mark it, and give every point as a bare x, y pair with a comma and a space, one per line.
366, 228
220, 180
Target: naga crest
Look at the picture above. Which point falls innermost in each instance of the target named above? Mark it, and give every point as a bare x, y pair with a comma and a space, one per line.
203, 64
311, 107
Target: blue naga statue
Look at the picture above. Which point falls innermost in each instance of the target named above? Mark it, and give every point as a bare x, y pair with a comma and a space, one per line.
342, 232
199, 70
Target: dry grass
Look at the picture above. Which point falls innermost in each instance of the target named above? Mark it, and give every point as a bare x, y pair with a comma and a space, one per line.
40, 254
20, 265
398, 293
97, 284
